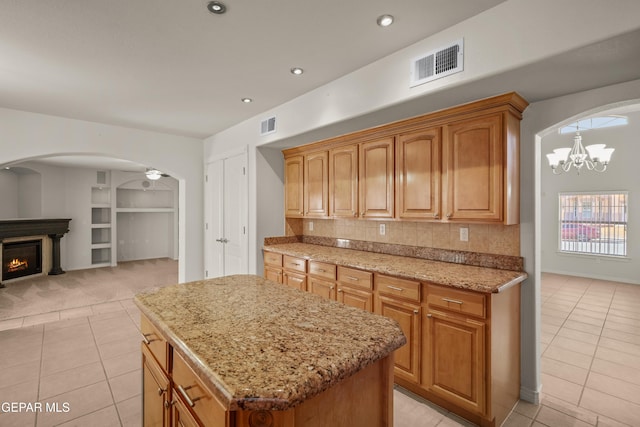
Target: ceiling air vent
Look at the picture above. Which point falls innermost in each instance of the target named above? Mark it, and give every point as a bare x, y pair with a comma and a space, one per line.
268, 126
437, 63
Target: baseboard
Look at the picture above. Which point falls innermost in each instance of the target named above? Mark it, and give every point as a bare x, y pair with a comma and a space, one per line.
530, 395
593, 276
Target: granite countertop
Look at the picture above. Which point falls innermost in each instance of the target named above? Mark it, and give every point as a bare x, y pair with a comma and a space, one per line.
479, 279
259, 345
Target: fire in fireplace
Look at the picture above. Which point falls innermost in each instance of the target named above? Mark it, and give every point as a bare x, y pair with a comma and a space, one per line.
21, 259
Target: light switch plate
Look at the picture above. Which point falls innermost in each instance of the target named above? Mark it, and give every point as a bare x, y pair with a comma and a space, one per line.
383, 229
310, 225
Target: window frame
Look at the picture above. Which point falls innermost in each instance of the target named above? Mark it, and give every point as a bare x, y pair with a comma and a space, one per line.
615, 244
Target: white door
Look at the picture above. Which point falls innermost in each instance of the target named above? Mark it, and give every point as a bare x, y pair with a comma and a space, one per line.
226, 233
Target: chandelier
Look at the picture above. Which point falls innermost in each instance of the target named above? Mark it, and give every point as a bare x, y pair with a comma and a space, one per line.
595, 157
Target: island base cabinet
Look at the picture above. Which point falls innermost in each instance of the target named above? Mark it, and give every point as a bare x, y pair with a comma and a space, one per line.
364, 399
155, 396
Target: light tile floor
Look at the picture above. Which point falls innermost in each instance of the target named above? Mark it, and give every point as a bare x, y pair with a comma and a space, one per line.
85, 363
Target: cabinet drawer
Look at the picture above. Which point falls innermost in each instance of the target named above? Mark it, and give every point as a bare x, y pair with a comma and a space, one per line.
194, 394
398, 287
273, 259
352, 277
154, 342
456, 300
322, 269
295, 264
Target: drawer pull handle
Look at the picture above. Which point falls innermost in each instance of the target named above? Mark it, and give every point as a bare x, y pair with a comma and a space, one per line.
146, 340
183, 392
454, 301
352, 278
294, 263
322, 270
395, 288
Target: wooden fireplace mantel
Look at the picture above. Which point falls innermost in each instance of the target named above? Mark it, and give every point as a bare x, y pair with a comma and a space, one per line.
32, 227
55, 228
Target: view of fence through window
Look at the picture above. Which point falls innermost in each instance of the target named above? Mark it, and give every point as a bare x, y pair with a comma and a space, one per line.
594, 223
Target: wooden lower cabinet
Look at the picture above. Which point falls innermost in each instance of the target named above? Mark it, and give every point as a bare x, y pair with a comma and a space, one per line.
274, 274
463, 347
355, 298
407, 357
156, 396
454, 359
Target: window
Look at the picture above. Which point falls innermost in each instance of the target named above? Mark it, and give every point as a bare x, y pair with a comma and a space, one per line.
593, 223
594, 123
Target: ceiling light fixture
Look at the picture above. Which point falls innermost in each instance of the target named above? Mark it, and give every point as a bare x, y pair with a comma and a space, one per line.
246, 100
216, 7
595, 157
297, 71
153, 174
385, 20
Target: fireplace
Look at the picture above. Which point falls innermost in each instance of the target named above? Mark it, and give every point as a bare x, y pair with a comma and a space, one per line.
35, 244
20, 259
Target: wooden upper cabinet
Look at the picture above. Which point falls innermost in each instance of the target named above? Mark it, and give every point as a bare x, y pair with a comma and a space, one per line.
418, 174
376, 178
473, 169
293, 186
316, 184
343, 182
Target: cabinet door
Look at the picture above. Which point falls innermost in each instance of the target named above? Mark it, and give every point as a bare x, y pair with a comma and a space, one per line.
472, 169
418, 174
293, 187
376, 179
322, 287
316, 184
273, 273
295, 280
155, 392
355, 298
407, 315
454, 360
343, 182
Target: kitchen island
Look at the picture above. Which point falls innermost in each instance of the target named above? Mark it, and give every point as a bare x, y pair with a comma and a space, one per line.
244, 351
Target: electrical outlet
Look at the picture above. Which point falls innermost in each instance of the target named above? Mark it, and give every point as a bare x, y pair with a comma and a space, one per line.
464, 234
310, 225
383, 229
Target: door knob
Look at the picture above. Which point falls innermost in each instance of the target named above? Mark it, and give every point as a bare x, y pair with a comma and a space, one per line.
222, 240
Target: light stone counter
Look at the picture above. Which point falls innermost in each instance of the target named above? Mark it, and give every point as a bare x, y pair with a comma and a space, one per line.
479, 279
262, 346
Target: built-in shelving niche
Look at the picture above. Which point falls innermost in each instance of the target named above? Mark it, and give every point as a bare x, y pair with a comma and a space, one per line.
146, 219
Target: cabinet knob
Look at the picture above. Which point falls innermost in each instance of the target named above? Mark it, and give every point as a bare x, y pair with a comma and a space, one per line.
339, 289
416, 311
167, 404
449, 215
355, 214
429, 315
436, 216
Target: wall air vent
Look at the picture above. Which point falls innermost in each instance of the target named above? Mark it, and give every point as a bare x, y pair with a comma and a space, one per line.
268, 126
437, 63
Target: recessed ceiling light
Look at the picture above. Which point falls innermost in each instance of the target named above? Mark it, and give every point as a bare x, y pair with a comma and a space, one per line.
246, 100
216, 7
297, 71
385, 20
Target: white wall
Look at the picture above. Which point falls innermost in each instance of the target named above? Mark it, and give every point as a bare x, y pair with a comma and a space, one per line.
8, 194
618, 177
29, 195
25, 136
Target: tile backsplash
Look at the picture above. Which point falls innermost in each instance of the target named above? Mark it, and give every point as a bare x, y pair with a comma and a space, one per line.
495, 239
